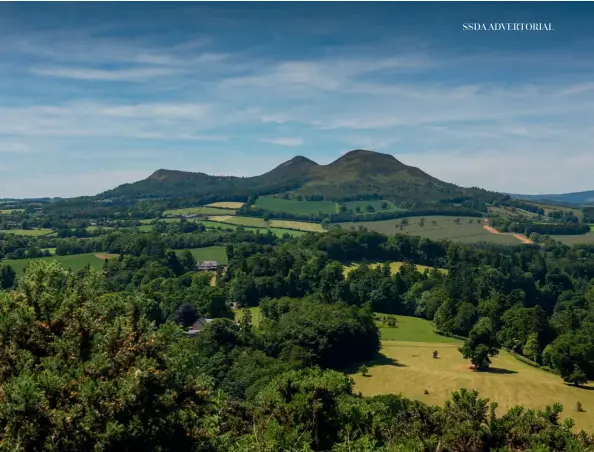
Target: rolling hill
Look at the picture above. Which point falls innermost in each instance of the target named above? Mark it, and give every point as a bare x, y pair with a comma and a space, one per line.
575, 198
357, 174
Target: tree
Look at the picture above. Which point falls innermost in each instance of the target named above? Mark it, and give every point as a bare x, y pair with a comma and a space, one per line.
532, 348
457, 220
422, 222
384, 205
481, 344
364, 369
7, 276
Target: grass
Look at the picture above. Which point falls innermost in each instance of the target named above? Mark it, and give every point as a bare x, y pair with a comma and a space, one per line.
582, 239
245, 221
256, 315
96, 228
411, 329
394, 267
75, 262
226, 205
375, 203
200, 210
301, 225
29, 232
9, 211
52, 251
445, 229
296, 207
209, 253
408, 368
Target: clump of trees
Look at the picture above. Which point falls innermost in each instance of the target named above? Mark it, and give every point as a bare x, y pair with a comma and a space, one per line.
481, 344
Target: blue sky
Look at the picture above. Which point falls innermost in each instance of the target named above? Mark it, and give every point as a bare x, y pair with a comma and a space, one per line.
95, 95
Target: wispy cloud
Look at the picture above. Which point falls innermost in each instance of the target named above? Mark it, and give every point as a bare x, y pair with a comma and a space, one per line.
286, 141
117, 75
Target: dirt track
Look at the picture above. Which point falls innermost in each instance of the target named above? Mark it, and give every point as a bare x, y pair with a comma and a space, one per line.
520, 237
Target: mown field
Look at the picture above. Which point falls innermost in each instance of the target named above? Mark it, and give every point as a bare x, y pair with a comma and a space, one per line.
226, 205
394, 267
246, 221
200, 210
30, 232
583, 239
208, 253
75, 262
296, 207
375, 203
9, 211
406, 366
445, 228
301, 225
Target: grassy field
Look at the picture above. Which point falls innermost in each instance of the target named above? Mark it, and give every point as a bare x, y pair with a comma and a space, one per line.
583, 239
296, 207
30, 232
75, 262
394, 267
411, 329
245, 221
445, 228
9, 211
200, 210
226, 205
301, 225
52, 251
375, 203
256, 315
209, 253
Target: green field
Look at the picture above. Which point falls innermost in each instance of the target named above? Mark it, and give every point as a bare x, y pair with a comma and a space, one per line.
407, 367
375, 203
245, 221
256, 315
30, 232
226, 205
446, 228
200, 210
75, 262
296, 207
582, 239
9, 211
394, 267
209, 253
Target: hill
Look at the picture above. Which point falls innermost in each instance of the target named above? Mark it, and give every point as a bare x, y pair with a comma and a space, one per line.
575, 198
358, 174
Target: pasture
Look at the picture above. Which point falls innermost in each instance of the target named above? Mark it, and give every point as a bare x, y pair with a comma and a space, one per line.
200, 210
375, 203
300, 225
438, 228
30, 232
394, 267
581, 239
406, 366
226, 205
74, 262
256, 315
10, 211
296, 207
245, 221
208, 253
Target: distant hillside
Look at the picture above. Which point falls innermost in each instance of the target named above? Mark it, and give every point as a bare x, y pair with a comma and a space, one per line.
576, 198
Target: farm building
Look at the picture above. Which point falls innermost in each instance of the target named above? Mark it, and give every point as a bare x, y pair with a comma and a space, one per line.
197, 326
207, 266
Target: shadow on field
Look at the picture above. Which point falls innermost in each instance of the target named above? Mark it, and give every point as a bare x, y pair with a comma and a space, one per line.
499, 370
383, 360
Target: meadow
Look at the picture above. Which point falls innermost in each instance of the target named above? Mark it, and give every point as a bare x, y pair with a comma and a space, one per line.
406, 366
9, 211
582, 239
200, 210
394, 267
226, 205
245, 221
256, 315
301, 225
445, 228
30, 232
75, 262
208, 253
296, 207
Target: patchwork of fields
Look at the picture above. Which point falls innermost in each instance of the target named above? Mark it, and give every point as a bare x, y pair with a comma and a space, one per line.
29, 232
406, 366
438, 228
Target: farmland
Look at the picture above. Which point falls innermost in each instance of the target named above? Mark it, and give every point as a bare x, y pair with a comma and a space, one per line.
301, 225
394, 267
10, 211
200, 210
407, 367
29, 232
296, 207
444, 228
226, 205
75, 262
580, 239
209, 253
375, 203
246, 221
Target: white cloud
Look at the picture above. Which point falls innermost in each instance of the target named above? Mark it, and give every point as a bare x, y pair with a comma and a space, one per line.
116, 75
286, 141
